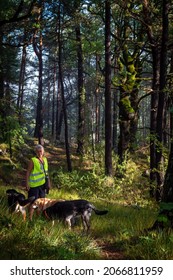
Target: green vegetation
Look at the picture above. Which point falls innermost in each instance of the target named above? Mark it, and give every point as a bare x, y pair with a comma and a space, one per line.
121, 234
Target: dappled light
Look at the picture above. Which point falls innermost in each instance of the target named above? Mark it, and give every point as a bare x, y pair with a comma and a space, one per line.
130, 213
86, 127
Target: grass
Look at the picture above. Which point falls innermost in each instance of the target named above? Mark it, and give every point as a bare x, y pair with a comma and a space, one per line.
121, 234
121, 230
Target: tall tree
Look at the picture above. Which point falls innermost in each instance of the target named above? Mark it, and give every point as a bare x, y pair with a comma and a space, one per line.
69, 166
108, 95
81, 92
154, 40
129, 38
167, 195
38, 48
160, 128
22, 81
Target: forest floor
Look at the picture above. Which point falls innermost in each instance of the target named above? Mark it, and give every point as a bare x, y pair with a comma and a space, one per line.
110, 253
57, 158
109, 247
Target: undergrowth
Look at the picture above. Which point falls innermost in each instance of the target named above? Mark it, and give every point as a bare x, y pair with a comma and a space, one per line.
124, 229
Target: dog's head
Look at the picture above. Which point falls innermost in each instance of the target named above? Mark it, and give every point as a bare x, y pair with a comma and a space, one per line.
11, 192
38, 203
12, 195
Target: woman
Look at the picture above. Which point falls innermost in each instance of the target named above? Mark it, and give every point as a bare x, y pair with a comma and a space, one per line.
37, 174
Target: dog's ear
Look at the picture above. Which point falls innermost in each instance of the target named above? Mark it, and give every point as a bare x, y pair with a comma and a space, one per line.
10, 192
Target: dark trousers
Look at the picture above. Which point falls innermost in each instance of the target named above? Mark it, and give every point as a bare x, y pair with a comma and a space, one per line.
38, 192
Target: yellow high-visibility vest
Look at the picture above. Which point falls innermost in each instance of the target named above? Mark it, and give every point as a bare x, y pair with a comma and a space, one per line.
37, 176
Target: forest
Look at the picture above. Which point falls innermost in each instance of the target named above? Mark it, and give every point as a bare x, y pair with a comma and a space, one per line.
91, 81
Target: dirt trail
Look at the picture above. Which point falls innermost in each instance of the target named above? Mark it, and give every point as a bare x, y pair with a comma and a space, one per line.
110, 253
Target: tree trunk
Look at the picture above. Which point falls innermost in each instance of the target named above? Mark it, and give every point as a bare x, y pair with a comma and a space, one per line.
21, 82
153, 120
167, 195
97, 105
162, 100
130, 68
81, 93
59, 112
154, 95
115, 112
108, 96
69, 166
2, 50
53, 103
38, 133
134, 97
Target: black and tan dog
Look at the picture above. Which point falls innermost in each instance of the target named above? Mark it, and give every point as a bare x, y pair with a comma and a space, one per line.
69, 209
17, 202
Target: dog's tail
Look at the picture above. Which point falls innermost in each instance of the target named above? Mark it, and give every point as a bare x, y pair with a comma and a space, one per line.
99, 212
24, 202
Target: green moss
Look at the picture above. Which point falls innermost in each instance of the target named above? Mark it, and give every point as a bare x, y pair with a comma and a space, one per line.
125, 102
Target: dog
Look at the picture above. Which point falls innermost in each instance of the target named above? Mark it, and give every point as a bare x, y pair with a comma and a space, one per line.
69, 209
17, 202
41, 204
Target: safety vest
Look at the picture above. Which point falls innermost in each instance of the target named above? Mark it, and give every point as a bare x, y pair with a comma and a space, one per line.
37, 176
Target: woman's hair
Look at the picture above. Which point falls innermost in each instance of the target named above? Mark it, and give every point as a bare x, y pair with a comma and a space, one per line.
39, 147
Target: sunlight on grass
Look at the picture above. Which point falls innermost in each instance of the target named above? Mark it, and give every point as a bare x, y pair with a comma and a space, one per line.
121, 233
122, 229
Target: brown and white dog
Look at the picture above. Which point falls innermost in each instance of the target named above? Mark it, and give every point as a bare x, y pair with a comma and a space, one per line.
41, 204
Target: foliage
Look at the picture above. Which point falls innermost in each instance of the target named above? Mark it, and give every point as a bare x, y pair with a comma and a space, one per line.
165, 216
157, 246
85, 184
123, 229
133, 64
40, 240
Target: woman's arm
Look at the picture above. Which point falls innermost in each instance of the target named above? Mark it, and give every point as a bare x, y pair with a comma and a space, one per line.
28, 172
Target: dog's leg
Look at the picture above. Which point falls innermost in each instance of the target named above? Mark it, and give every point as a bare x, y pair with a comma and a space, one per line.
68, 221
23, 211
46, 215
38, 211
73, 221
24, 216
31, 212
17, 208
86, 221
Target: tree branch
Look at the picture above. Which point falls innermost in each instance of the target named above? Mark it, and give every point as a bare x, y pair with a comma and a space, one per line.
16, 17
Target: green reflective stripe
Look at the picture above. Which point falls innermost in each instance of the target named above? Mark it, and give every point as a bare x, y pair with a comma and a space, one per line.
37, 180
36, 174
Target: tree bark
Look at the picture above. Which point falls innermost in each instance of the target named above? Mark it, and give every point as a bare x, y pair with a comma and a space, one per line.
38, 133
81, 94
69, 166
108, 95
154, 95
21, 84
167, 195
53, 103
162, 99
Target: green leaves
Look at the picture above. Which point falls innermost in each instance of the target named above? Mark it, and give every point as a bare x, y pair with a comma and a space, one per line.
166, 206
